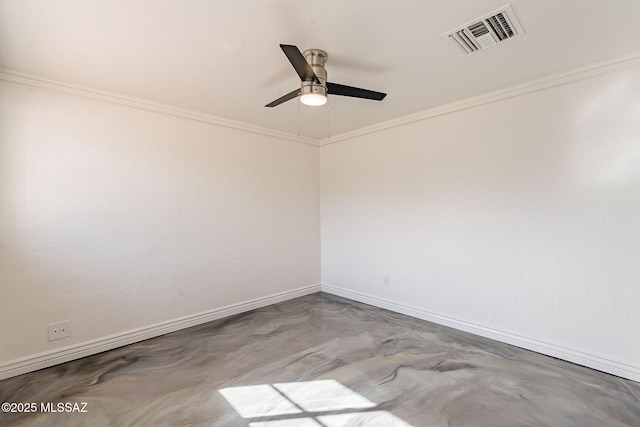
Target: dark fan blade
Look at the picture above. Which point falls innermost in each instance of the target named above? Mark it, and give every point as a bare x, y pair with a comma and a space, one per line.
356, 92
284, 98
301, 65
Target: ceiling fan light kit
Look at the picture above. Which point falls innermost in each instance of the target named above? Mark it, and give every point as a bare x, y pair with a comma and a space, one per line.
314, 93
314, 87
313, 99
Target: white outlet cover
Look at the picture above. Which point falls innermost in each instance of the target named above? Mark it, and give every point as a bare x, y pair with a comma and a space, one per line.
59, 330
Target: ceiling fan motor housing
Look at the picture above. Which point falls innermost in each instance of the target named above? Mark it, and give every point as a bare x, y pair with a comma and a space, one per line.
316, 58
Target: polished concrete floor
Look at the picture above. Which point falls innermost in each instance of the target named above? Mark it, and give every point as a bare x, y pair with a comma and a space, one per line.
321, 360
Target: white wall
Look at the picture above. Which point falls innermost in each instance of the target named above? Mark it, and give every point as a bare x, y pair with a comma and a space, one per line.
117, 218
518, 219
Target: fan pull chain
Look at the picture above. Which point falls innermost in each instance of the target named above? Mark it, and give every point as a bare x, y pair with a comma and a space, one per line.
298, 120
329, 121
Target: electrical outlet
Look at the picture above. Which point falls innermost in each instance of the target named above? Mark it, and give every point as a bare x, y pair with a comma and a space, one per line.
65, 329
385, 280
59, 330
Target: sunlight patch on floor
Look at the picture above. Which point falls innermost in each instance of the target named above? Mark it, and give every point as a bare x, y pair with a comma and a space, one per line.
306, 403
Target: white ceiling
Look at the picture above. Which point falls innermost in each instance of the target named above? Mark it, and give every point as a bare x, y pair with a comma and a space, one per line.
222, 57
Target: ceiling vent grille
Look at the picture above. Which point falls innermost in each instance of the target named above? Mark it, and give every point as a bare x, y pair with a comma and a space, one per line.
486, 31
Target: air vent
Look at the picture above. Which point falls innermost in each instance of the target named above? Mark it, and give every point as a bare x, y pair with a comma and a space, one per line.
486, 31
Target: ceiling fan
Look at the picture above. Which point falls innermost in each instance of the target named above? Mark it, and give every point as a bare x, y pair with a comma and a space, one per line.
314, 86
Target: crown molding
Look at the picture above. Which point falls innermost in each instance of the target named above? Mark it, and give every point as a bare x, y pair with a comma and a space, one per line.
618, 63
615, 64
19, 77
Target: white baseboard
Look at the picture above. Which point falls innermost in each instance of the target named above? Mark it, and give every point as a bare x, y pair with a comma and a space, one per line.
591, 360
76, 351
